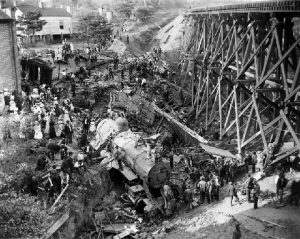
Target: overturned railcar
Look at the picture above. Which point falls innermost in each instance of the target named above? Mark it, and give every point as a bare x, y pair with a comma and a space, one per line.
127, 147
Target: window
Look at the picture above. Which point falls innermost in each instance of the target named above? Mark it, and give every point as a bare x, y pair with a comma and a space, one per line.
61, 24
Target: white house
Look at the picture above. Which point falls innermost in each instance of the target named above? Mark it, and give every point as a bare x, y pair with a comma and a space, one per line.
59, 22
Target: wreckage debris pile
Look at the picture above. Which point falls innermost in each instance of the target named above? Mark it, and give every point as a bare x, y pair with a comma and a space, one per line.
83, 97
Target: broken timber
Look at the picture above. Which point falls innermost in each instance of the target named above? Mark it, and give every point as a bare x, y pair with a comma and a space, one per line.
57, 225
191, 137
60, 195
188, 134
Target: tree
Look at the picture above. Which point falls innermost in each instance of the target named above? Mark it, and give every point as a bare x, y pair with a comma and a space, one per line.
32, 23
125, 9
143, 13
94, 29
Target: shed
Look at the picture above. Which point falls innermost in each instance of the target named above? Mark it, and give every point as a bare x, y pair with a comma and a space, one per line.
40, 71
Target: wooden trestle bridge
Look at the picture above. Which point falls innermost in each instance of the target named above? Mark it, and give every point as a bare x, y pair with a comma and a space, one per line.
244, 65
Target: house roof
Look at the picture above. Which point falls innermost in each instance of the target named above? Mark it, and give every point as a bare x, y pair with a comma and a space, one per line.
46, 12
4, 17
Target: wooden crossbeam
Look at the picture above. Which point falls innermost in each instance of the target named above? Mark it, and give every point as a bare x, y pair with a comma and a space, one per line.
259, 121
223, 42
213, 109
209, 48
295, 103
254, 45
278, 62
290, 128
231, 46
229, 113
259, 132
283, 72
208, 98
264, 90
248, 124
240, 114
228, 98
287, 154
269, 54
220, 108
237, 120
246, 81
227, 63
296, 79
292, 94
248, 48
246, 66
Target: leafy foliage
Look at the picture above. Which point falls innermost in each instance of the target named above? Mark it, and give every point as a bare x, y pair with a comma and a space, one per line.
21, 216
94, 29
32, 22
125, 9
143, 13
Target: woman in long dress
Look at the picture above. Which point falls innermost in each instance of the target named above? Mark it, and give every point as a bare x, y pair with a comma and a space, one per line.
47, 129
60, 129
66, 116
37, 131
52, 133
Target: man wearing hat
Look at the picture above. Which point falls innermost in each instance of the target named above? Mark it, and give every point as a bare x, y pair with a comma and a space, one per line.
68, 132
67, 164
256, 193
79, 164
202, 187
6, 97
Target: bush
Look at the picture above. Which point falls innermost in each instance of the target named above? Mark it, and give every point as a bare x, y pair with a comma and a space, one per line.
21, 217
143, 14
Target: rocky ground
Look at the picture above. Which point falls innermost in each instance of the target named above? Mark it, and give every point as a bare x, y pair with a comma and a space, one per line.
270, 220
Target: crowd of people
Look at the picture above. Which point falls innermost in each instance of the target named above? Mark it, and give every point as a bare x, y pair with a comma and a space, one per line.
56, 119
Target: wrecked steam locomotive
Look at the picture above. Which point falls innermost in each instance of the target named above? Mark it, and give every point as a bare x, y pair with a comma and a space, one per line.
130, 153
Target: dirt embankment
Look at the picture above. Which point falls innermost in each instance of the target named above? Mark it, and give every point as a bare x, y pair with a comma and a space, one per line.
142, 34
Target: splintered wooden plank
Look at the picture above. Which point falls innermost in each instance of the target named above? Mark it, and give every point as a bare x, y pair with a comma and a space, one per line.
57, 225
60, 195
179, 125
283, 156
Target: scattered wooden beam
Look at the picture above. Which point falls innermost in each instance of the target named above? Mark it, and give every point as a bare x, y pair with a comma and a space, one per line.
59, 197
57, 225
266, 221
169, 28
187, 130
285, 155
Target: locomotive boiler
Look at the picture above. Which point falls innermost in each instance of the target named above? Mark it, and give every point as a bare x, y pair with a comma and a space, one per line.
126, 147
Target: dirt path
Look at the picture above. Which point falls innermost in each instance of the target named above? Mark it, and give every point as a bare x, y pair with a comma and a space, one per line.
218, 220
